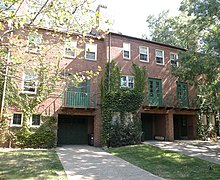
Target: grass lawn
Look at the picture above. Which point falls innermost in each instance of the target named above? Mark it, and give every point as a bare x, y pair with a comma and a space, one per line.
167, 164
31, 164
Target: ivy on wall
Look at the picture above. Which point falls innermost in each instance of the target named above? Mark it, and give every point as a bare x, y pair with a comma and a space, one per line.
115, 99
42, 137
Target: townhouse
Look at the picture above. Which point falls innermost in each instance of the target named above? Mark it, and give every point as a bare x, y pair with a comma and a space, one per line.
168, 112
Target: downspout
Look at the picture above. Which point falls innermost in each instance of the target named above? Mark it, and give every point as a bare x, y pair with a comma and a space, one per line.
109, 60
6, 74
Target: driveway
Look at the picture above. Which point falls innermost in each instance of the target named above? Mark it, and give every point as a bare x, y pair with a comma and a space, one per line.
206, 150
91, 163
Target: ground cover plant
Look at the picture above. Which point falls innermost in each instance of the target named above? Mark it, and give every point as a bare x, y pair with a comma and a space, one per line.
31, 164
167, 164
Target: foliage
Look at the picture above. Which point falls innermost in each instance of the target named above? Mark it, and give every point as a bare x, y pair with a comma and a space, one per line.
126, 131
31, 164
123, 101
167, 164
42, 137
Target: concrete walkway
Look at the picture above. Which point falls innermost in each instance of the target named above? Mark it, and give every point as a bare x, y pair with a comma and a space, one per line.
90, 163
206, 150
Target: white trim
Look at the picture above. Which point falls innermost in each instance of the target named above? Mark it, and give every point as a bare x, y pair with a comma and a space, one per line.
16, 125
147, 54
162, 56
95, 51
177, 63
125, 49
31, 118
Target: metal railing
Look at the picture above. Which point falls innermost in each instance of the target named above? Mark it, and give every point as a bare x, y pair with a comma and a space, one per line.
79, 99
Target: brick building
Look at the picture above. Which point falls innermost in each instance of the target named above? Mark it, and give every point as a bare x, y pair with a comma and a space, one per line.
168, 111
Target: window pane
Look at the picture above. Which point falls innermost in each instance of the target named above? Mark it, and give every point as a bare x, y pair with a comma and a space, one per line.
17, 119
126, 54
159, 60
123, 81
30, 81
143, 57
126, 46
159, 53
35, 120
90, 55
143, 50
130, 82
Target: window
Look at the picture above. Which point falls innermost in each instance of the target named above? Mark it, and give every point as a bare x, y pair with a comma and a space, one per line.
143, 54
127, 81
174, 59
91, 51
17, 119
70, 49
126, 50
35, 120
159, 57
155, 91
30, 82
34, 43
182, 94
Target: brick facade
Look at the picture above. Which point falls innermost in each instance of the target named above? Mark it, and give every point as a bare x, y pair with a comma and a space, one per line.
108, 49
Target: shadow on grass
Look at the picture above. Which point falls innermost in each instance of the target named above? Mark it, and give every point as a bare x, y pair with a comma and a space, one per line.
167, 164
23, 164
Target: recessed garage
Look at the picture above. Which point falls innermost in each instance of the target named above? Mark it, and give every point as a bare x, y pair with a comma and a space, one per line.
74, 129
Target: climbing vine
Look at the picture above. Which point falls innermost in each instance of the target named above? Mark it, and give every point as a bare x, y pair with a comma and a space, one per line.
121, 124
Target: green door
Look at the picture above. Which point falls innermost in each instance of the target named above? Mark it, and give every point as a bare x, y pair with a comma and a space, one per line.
72, 130
155, 92
182, 94
78, 95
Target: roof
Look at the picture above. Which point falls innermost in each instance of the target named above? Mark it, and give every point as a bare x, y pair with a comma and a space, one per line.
145, 40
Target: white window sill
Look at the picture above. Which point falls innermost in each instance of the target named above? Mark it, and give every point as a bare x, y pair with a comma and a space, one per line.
15, 125
126, 58
28, 92
144, 61
69, 57
160, 64
91, 59
35, 126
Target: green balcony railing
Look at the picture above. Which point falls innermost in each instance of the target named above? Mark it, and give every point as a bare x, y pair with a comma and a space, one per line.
78, 99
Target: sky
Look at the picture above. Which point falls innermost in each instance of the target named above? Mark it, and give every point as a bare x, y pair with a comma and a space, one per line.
129, 16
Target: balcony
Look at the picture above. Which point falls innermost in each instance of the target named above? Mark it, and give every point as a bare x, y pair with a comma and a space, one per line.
171, 101
78, 99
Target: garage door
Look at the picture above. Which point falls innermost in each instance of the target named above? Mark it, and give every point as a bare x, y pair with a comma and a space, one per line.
72, 130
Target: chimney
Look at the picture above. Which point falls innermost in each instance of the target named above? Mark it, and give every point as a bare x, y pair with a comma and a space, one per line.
100, 16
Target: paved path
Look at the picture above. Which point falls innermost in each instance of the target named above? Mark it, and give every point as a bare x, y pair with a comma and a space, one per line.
90, 163
209, 151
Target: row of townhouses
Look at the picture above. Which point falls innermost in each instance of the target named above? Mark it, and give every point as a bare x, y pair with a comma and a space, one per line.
169, 112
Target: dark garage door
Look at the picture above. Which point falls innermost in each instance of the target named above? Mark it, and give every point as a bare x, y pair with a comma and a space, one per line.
72, 130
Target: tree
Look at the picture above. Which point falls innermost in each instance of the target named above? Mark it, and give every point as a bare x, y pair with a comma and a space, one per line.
197, 28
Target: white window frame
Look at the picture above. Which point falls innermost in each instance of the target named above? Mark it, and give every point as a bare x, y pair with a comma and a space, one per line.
23, 81
12, 118
177, 63
31, 121
127, 82
91, 48
126, 47
37, 44
72, 45
144, 54
159, 57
